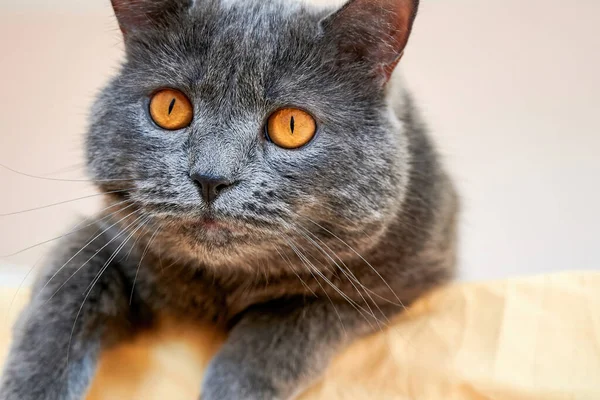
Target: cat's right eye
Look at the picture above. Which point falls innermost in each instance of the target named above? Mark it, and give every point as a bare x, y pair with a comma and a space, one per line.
171, 110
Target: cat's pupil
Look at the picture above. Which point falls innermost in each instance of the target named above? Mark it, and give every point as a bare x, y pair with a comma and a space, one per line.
292, 123
171, 106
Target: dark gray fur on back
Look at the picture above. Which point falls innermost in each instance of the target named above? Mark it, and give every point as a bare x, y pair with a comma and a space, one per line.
327, 241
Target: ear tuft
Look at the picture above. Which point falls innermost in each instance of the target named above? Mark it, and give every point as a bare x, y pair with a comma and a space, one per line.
372, 31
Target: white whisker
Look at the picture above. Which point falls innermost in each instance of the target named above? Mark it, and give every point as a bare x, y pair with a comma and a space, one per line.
140, 263
350, 301
77, 228
294, 271
347, 271
62, 202
97, 278
362, 258
92, 257
63, 180
319, 283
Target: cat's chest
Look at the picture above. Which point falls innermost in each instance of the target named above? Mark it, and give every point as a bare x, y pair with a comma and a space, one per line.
198, 296
182, 295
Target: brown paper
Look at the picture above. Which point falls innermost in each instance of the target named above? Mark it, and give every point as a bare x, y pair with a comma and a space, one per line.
524, 339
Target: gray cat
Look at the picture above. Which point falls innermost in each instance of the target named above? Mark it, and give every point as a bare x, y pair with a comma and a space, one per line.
263, 173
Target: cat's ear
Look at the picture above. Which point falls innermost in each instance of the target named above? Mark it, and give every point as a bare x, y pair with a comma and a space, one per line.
372, 31
134, 15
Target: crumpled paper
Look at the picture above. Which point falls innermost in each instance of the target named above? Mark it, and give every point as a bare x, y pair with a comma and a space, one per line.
523, 339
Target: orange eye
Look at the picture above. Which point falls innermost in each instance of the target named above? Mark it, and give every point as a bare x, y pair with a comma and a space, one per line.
291, 128
171, 109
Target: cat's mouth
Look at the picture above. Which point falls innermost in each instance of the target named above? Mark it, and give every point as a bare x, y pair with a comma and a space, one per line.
212, 225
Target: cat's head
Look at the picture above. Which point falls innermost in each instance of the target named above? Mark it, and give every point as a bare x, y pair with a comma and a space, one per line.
244, 127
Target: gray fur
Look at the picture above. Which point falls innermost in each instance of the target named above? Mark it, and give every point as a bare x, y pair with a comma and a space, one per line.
330, 240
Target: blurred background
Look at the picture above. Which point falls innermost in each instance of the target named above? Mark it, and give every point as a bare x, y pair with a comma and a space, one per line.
511, 91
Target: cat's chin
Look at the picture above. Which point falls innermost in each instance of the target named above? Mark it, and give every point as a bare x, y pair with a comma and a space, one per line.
219, 248
209, 237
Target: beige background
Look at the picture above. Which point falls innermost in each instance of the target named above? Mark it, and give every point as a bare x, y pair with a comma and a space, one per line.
511, 90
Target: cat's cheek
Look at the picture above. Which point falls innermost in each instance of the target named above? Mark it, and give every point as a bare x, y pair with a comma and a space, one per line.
305, 162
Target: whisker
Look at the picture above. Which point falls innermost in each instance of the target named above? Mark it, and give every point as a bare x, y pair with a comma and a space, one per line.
320, 274
70, 168
321, 286
31, 270
89, 259
140, 263
348, 274
345, 271
120, 247
77, 228
133, 246
350, 301
62, 202
62, 180
97, 278
380, 323
294, 270
21, 286
368, 291
361, 257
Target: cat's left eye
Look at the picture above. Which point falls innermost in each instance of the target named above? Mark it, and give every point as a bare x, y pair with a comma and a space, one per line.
171, 110
291, 128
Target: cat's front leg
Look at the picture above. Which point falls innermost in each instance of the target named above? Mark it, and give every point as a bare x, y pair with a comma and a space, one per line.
277, 351
60, 334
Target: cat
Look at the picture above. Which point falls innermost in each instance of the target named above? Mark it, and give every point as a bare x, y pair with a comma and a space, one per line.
264, 171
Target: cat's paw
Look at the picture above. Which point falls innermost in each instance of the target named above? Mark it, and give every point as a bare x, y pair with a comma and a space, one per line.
231, 380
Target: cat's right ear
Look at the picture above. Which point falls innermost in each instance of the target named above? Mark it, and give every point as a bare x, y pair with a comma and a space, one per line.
372, 32
136, 15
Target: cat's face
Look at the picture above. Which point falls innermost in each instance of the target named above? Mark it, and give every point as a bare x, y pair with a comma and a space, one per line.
238, 63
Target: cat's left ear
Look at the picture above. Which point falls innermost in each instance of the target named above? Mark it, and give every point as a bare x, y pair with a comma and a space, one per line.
135, 15
374, 32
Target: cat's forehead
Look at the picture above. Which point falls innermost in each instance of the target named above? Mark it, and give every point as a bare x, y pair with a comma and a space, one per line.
233, 44
281, 7
250, 14
259, 20
242, 26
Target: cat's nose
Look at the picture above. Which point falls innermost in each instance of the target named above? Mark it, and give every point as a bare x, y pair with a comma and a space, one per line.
210, 186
